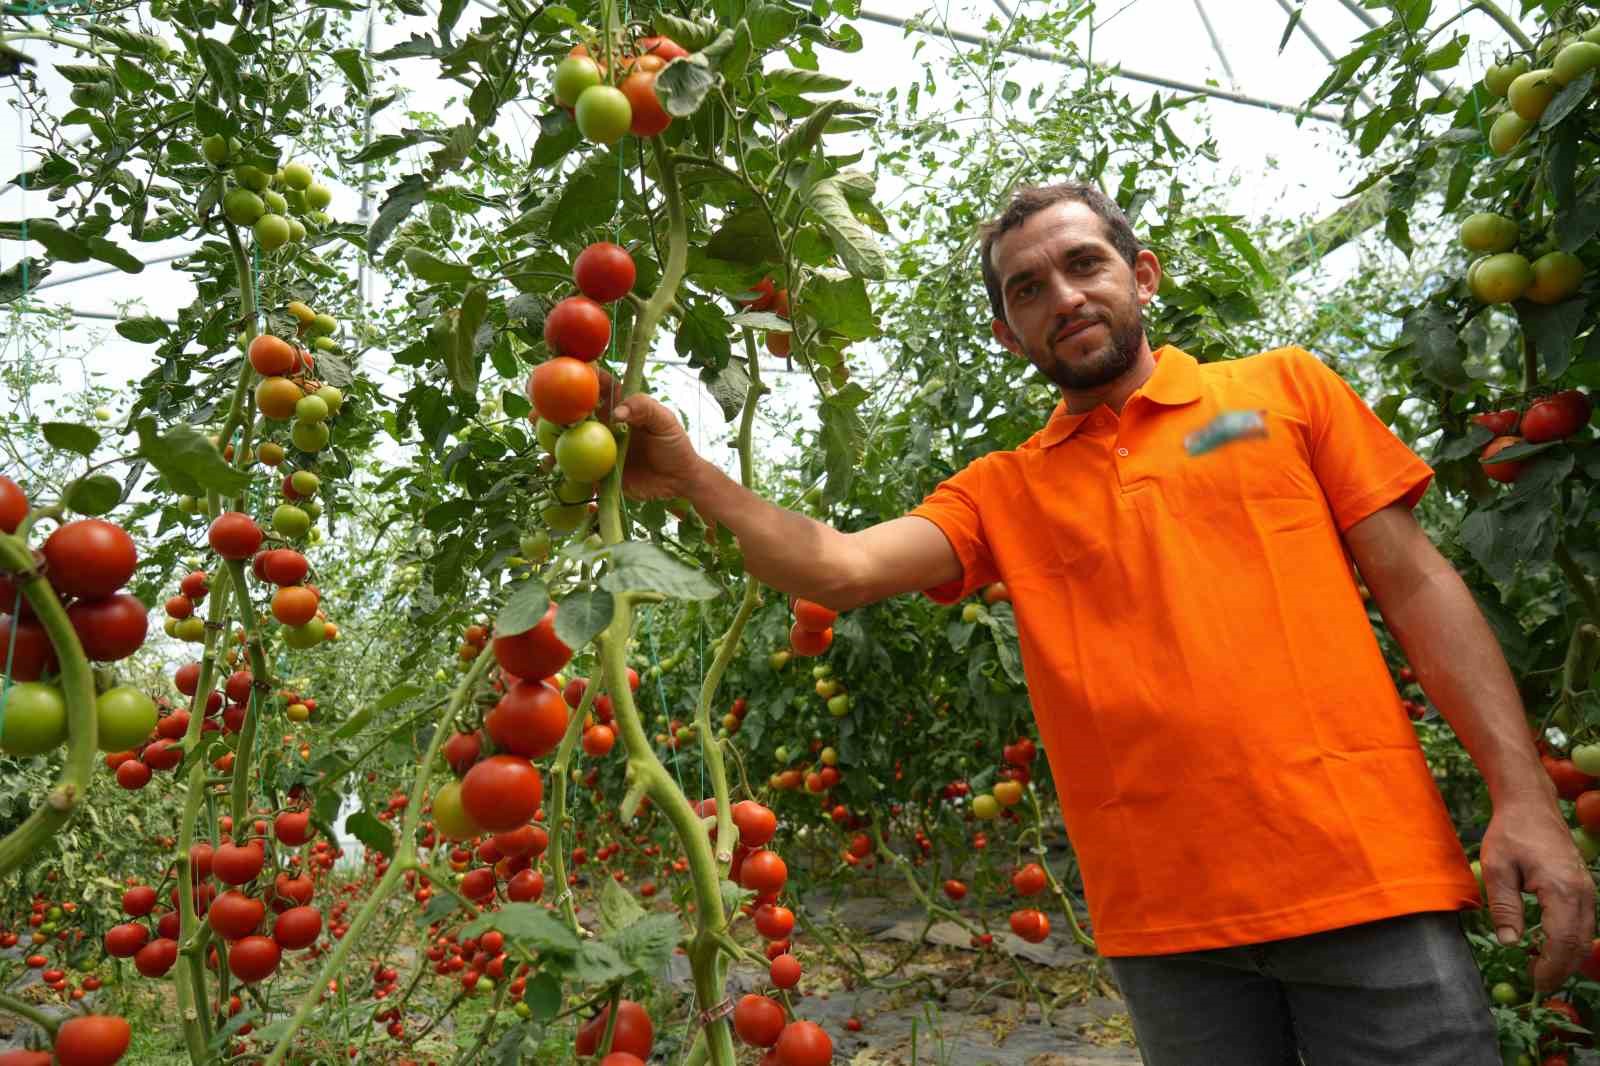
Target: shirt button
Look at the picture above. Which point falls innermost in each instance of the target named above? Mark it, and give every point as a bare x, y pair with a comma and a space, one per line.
1122, 451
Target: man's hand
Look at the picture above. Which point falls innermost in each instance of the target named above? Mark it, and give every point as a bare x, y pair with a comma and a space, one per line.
662, 463
1528, 848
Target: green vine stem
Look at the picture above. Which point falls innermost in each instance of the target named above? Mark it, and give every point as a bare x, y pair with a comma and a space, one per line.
240, 792
556, 816
1067, 907
77, 688
1507, 23
1580, 582
405, 858
32, 1014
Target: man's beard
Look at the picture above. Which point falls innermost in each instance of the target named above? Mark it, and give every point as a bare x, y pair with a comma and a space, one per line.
1101, 367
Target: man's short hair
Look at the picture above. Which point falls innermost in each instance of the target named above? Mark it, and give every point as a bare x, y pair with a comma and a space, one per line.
1029, 201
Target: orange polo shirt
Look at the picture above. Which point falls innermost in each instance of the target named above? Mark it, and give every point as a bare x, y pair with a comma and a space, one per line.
1233, 762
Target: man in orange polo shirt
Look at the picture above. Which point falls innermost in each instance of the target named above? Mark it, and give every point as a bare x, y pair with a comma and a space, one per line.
1268, 864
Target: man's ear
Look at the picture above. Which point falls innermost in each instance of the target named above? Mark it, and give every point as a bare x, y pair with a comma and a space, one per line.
1147, 275
1003, 334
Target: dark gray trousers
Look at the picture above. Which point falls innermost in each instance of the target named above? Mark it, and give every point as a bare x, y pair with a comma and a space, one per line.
1403, 990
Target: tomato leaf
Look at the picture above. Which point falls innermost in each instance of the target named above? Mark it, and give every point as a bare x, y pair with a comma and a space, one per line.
728, 386
93, 495
582, 616
543, 996
558, 135
618, 909
71, 436
1003, 624
384, 146
349, 61
374, 834
639, 566
646, 944
691, 33
143, 330
745, 237
843, 435
1429, 333
466, 366
787, 81
523, 610
598, 963
529, 925
428, 267
683, 84
222, 65
702, 336
188, 460
397, 204
1553, 329
851, 238
1568, 100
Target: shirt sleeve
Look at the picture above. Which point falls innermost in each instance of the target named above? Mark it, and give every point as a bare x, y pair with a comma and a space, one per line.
1359, 462
955, 506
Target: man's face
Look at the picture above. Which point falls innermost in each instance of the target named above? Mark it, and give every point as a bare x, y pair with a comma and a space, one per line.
1073, 304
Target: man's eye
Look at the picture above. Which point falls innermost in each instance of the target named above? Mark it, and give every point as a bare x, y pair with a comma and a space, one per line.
1025, 291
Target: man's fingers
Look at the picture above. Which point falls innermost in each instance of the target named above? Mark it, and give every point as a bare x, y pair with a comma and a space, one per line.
1502, 883
1567, 909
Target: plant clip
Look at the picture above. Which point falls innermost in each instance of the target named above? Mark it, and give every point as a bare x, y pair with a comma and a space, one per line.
717, 1013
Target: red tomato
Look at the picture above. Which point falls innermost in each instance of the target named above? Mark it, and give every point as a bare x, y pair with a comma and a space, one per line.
804, 1044
1500, 423
1506, 471
133, 775
758, 1020
31, 651
124, 941
665, 47
604, 271
578, 327
285, 566
162, 755
774, 922
599, 740
1029, 880
1570, 782
501, 792
237, 864
138, 901
234, 915
292, 827
478, 885
255, 958
462, 750
525, 887
111, 628
1031, 925
92, 1040
157, 957
804, 641
813, 617
564, 390
297, 927
195, 585
955, 890
271, 356
1590, 966
529, 720
757, 824
763, 871
633, 1034
778, 342
534, 654
294, 605
13, 505
234, 535
649, 117
1557, 417
90, 558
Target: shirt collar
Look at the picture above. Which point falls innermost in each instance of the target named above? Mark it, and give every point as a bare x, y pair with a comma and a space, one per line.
1176, 381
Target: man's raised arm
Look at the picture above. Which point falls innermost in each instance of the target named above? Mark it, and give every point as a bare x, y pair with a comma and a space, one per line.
786, 550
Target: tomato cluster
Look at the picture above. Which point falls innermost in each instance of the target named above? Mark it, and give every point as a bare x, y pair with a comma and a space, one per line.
605, 112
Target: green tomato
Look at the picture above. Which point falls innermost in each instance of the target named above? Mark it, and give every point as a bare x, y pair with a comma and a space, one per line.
970, 613
1574, 60
1501, 279
1588, 846
564, 518
1505, 993
985, 807
322, 325
290, 521
1556, 276
1507, 132
573, 76
1487, 233
252, 178
449, 815
215, 149
242, 207
778, 660
125, 716
569, 491
821, 670
297, 231
549, 433
604, 114
1500, 76
839, 705
310, 436
191, 629
318, 197
535, 546
272, 232
1586, 757
103, 414
35, 719
314, 509
587, 451
311, 408
1531, 93
329, 395
305, 636
305, 482
296, 175
275, 202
